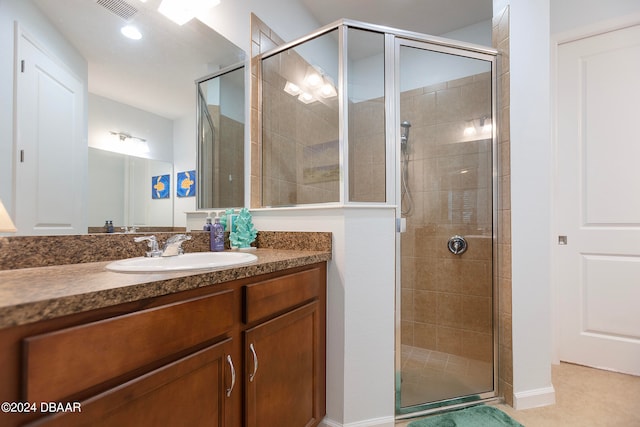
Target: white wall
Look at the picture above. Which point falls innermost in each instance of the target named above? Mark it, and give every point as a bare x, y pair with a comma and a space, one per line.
360, 308
107, 115
531, 167
532, 24
184, 159
571, 14
289, 19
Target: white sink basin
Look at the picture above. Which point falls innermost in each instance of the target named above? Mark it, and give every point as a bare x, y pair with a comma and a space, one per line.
186, 262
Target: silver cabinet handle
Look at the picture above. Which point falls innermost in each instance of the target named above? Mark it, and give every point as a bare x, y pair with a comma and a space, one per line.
233, 375
255, 362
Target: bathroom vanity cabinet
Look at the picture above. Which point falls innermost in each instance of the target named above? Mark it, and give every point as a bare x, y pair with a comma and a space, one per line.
249, 352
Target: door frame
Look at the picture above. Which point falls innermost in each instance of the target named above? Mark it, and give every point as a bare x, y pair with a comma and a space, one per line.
558, 39
392, 94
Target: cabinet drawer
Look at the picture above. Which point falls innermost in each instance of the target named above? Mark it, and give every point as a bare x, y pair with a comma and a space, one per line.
62, 363
187, 392
264, 299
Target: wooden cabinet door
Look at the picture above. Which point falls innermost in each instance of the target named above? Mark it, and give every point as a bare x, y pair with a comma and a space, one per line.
191, 391
284, 372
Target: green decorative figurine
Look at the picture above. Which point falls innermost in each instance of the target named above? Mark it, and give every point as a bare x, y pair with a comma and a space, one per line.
245, 233
223, 218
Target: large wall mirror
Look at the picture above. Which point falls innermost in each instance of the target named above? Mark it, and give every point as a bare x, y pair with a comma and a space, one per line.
142, 89
221, 123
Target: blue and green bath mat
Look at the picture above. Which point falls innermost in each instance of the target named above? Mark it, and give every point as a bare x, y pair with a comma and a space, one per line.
475, 416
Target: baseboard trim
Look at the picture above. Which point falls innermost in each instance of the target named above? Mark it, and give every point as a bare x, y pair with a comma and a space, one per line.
374, 422
534, 398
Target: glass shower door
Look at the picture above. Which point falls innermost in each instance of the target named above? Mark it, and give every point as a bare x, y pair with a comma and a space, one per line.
446, 305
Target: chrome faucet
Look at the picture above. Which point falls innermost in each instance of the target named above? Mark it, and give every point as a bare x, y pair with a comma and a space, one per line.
154, 251
173, 246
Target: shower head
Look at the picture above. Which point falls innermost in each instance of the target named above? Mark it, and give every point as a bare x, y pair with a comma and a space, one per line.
404, 133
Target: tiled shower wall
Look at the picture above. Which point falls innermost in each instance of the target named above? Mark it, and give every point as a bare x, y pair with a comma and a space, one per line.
446, 298
505, 351
299, 146
226, 159
263, 39
231, 160
367, 151
300, 155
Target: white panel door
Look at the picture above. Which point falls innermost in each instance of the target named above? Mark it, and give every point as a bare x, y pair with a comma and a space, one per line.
50, 186
598, 208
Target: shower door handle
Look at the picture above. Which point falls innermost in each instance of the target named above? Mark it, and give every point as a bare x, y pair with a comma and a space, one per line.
457, 245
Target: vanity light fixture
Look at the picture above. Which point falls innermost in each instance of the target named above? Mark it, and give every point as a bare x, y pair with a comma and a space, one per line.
123, 136
182, 11
469, 128
328, 89
306, 98
313, 78
137, 145
315, 85
6, 225
478, 128
131, 32
485, 124
292, 89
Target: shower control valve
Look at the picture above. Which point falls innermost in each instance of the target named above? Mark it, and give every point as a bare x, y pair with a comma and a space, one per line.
457, 245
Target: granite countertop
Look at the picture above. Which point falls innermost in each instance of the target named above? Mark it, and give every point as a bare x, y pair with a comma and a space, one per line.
29, 295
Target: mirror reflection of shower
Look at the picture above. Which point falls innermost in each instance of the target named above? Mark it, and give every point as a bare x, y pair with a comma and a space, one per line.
405, 200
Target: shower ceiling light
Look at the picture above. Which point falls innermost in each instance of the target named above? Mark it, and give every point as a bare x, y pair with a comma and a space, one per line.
182, 11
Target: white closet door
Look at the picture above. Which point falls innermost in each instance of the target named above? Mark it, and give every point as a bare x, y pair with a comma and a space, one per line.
50, 186
599, 200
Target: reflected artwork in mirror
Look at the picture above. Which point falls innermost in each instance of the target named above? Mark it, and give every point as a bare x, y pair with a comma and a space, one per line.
221, 121
123, 189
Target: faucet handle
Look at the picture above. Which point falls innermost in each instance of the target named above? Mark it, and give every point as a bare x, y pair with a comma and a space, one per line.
152, 243
173, 245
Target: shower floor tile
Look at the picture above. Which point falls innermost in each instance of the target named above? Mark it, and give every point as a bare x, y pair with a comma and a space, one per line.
430, 376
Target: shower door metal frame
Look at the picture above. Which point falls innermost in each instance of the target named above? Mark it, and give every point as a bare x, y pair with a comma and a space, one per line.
435, 44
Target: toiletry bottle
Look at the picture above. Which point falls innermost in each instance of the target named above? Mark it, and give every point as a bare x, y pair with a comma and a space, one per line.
106, 226
207, 225
110, 227
217, 236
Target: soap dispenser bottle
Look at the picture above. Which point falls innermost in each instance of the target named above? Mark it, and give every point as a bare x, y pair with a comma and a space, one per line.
217, 236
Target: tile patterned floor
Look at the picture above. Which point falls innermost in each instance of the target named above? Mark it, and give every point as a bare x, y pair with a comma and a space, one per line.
429, 376
585, 397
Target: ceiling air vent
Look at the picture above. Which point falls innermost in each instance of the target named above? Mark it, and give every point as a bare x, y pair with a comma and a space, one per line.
121, 8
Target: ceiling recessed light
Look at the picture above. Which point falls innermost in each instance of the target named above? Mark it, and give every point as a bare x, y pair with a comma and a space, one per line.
131, 32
